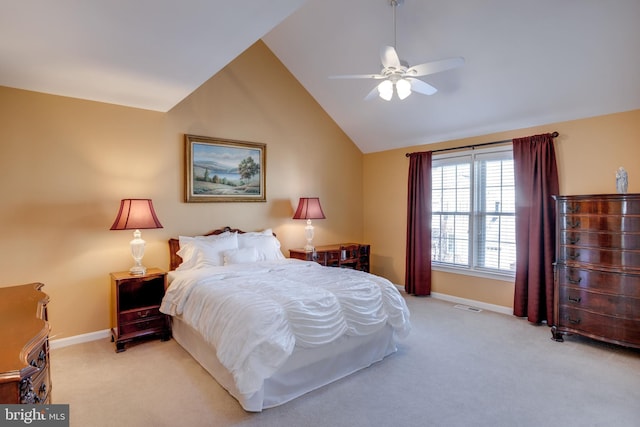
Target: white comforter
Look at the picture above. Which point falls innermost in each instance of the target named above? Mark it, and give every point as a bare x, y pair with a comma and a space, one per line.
254, 314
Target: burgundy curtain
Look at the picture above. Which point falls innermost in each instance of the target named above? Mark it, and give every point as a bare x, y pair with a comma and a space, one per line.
418, 265
536, 180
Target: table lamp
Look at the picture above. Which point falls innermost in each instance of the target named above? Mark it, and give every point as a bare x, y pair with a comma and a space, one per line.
136, 214
309, 208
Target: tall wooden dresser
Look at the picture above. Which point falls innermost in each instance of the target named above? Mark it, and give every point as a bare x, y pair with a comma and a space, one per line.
597, 270
24, 352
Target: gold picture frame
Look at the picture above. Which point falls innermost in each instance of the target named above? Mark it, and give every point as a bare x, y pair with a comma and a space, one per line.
224, 170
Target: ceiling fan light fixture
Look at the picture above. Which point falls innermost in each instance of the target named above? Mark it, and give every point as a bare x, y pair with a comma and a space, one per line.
385, 90
403, 87
398, 75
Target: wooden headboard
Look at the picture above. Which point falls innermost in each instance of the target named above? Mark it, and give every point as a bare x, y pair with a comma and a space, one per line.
174, 245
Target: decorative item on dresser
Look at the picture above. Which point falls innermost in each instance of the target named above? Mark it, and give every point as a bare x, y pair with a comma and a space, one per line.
330, 255
24, 358
597, 273
135, 307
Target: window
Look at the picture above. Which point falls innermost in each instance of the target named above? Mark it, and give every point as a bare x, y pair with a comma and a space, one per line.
473, 212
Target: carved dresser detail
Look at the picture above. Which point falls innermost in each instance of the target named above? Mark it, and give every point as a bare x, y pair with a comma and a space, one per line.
24, 356
597, 270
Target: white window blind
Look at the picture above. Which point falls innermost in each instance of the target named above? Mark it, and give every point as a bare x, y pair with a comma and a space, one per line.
473, 211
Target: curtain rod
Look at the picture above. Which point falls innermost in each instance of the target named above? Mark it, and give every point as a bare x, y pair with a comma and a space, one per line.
553, 135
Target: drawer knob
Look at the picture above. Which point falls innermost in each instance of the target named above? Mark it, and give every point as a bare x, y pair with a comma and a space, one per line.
574, 240
573, 208
574, 281
574, 255
575, 224
574, 321
576, 299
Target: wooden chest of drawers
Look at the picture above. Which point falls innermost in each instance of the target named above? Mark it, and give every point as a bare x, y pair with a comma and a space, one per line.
24, 356
597, 271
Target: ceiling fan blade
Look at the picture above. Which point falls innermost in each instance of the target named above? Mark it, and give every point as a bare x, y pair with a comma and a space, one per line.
389, 57
421, 87
358, 76
372, 94
435, 66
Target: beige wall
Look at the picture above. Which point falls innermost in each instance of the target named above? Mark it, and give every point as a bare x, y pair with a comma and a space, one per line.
66, 163
588, 153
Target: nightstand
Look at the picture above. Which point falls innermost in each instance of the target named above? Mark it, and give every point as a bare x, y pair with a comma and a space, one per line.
326, 255
135, 307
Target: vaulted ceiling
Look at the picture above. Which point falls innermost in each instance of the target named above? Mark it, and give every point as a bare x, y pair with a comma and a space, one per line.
528, 63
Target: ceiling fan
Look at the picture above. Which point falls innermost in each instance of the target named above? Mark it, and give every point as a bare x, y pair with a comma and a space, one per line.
397, 74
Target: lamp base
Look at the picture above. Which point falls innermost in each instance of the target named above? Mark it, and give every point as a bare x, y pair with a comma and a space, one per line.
137, 251
138, 270
309, 248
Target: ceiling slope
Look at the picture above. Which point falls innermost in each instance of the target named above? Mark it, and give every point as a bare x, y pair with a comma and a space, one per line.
527, 63
147, 54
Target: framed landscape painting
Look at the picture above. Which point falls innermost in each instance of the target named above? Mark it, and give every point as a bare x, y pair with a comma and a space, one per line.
220, 170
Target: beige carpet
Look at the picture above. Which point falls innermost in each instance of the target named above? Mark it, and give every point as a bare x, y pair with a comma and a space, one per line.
456, 368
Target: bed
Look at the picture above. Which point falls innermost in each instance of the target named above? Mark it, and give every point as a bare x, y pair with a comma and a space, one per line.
269, 328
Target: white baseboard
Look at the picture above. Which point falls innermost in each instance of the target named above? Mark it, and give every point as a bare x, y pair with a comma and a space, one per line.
78, 339
473, 303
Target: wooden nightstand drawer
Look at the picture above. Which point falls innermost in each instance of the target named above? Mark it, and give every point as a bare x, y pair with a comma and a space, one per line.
150, 326
140, 314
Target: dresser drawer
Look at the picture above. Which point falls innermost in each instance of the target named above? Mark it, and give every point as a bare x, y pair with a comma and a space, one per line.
141, 313
601, 281
41, 383
612, 258
599, 223
608, 205
615, 329
594, 239
150, 325
614, 305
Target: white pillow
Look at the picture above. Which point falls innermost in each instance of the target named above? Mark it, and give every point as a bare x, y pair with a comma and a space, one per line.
267, 246
240, 256
206, 252
188, 251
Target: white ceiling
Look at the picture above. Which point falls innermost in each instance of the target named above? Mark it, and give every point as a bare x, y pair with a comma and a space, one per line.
528, 63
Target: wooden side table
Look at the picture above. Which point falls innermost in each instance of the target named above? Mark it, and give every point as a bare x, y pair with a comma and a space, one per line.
327, 254
135, 307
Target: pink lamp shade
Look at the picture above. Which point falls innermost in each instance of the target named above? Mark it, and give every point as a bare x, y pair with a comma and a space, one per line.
136, 214
309, 208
